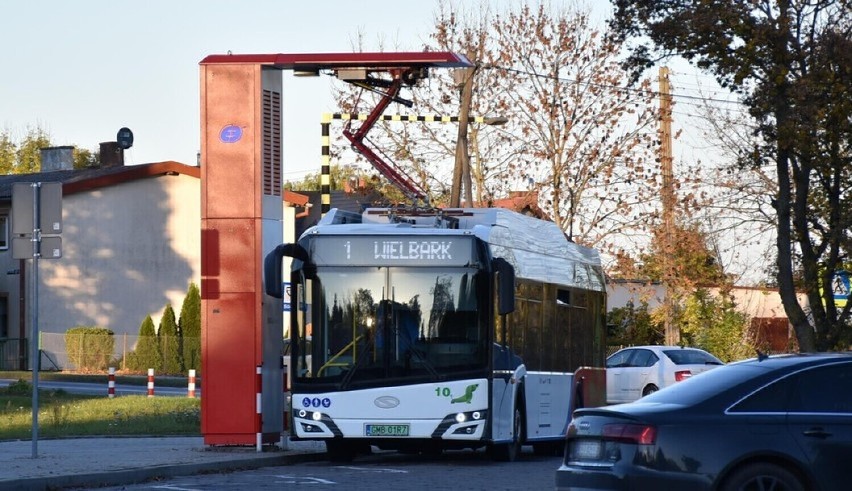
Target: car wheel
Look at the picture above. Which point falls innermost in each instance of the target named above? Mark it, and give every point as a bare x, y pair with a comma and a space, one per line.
649, 390
761, 476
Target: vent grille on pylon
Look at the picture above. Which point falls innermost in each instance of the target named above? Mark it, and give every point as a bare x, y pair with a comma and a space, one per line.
271, 143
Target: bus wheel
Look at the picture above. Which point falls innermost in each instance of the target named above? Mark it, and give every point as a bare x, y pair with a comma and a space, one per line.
340, 450
509, 452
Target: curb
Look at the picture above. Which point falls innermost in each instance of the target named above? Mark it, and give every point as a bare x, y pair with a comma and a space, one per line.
136, 476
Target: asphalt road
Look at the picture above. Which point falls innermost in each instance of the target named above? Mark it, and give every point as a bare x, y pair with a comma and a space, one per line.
451, 471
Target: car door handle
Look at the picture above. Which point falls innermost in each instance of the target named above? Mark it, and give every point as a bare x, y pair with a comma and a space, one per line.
816, 433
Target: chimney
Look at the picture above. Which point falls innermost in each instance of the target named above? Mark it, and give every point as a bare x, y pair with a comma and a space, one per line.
111, 155
57, 158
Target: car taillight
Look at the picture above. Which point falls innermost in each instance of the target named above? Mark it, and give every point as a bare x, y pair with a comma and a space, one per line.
630, 433
682, 375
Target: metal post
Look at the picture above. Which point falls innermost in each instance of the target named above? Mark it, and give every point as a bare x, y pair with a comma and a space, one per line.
35, 358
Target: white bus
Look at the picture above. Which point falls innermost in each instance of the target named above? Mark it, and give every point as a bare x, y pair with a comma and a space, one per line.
432, 330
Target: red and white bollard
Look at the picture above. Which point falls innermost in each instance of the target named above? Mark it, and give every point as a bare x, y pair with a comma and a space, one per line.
259, 406
285, 435
190, 387
150, 382
111, 383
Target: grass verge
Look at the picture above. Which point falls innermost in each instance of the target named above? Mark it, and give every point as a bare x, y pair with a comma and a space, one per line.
161, 380
70, 415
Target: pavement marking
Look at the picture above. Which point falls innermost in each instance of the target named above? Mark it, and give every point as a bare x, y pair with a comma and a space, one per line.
303, 480
373, 469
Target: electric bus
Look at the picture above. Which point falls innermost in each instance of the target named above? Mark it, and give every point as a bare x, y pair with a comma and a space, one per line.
421, 331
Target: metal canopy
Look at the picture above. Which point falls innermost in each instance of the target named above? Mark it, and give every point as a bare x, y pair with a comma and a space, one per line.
404, 68
319, 61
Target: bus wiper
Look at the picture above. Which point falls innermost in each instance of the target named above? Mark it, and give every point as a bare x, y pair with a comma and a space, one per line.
365, 342
426, 363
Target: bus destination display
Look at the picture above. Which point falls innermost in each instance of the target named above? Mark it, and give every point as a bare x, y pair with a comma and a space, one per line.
392, 251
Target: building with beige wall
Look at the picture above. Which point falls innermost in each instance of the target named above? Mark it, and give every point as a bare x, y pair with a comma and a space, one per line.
130, 245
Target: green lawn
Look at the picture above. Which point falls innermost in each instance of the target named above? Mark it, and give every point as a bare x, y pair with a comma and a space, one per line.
159, 380
64, 415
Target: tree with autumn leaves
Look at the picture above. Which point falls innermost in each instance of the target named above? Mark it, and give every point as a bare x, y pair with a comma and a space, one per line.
790, 61
703, 308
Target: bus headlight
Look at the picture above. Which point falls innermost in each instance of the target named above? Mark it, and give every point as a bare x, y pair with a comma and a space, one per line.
476, 415
316, 416
302, 413
460, 418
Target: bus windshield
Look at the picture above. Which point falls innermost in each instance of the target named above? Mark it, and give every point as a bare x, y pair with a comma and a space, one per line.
411, 324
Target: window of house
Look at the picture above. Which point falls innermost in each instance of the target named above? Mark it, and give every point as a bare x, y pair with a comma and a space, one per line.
4, 316
4, 232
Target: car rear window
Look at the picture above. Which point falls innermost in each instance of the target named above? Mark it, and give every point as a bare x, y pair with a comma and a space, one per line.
691, 357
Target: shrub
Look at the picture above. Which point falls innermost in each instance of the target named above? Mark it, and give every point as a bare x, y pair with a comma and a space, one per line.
190, 328
89, 348
713, 323
631, 326
147, 352
19, 388
170, 343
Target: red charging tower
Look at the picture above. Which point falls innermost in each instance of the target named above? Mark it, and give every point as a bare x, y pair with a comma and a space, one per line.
241, 221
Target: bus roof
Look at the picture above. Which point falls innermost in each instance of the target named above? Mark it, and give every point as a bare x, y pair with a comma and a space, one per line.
538, 249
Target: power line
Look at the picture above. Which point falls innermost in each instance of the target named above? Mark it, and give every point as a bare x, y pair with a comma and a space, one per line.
613, 87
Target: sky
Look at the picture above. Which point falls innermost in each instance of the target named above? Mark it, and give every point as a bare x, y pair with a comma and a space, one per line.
83, 70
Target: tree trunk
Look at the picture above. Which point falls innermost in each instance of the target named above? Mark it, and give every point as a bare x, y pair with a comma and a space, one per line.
784, 243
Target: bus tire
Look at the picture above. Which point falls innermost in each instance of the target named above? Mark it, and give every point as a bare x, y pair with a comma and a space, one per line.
340, 450
509, 452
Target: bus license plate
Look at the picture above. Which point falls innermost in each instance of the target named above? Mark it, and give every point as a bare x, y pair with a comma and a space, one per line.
385, 430
587, 449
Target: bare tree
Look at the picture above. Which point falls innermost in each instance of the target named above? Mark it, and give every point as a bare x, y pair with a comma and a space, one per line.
589, 139
736, 198
576, 135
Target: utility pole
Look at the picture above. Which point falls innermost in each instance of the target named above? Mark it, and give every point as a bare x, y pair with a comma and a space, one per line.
461, 171
672, 331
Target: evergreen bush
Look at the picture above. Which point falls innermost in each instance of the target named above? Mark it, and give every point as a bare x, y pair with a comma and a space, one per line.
147, 353
89, 348
190, 328
170, 343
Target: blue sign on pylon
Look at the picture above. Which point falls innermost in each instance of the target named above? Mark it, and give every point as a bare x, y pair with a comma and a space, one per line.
286, 298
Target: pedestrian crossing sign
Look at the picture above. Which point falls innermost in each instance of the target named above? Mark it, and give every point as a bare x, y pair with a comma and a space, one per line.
840, 287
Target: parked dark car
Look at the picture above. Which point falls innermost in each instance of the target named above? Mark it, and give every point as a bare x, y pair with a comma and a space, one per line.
781, 422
